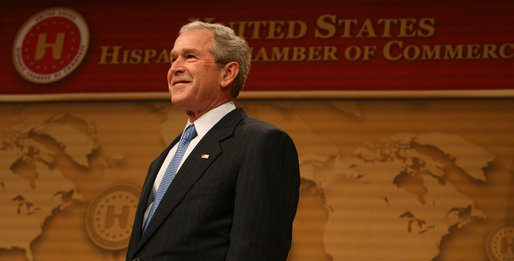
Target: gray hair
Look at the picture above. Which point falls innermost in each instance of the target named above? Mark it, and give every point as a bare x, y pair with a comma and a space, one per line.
226, 47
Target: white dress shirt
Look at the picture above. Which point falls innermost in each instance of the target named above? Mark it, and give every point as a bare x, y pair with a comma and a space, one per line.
202, 126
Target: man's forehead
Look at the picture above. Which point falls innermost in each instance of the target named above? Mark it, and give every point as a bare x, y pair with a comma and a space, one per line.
193, 40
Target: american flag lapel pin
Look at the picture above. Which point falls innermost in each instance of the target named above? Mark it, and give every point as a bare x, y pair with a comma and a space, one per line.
205, 156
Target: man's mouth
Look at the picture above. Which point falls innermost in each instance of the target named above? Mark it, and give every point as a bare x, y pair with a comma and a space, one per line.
179, 82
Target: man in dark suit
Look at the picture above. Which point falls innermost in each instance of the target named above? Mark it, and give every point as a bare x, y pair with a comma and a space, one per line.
235, 193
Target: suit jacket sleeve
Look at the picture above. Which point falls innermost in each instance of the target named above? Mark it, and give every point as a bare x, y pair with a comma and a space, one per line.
266, 198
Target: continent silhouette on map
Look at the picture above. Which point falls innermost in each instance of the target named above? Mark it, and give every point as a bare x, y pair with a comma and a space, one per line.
393, 197
32, 187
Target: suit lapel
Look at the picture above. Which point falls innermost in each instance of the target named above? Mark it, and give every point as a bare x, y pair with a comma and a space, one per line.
192, 169
145, 193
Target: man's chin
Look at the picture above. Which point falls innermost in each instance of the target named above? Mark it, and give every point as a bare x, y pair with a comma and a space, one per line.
178, 101
175, 101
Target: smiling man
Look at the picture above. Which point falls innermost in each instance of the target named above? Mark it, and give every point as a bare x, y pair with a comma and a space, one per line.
227, 187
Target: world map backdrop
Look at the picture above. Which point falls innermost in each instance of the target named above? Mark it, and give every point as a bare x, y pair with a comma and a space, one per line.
381, 179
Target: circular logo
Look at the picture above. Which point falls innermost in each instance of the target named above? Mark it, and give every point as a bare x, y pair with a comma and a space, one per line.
110, 215
500, 242
50, 45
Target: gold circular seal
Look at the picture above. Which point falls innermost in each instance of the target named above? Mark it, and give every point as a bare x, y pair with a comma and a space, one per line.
50, 45
110, 215
500, 242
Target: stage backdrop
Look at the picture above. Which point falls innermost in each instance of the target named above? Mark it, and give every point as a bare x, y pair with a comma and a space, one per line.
382, 179
299, 48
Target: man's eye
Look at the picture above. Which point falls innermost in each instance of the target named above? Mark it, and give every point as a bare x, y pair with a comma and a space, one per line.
190, 56
172, 59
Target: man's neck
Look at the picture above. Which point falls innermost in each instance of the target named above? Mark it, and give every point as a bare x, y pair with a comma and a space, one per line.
193, 116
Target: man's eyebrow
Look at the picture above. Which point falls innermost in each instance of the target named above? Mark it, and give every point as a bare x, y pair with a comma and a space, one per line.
185, 50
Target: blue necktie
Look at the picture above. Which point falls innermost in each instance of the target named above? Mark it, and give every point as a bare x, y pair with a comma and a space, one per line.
171, 171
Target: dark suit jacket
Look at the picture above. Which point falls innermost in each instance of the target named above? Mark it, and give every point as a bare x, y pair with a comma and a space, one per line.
237, 204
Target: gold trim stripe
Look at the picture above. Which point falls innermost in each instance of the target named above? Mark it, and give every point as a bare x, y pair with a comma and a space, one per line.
267, 95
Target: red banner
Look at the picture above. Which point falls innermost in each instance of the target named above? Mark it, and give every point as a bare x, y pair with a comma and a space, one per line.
94, 47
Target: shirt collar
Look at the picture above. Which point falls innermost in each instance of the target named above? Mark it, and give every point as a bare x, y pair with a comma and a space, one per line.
209, 119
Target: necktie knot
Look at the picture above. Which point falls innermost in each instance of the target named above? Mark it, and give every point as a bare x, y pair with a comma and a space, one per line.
189, 133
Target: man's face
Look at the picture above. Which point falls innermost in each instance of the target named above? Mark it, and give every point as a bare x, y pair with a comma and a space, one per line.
194, 77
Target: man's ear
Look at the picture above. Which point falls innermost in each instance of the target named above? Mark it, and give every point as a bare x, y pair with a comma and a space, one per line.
229, 73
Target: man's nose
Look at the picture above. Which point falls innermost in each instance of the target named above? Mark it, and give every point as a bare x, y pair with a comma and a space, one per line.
177, 65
